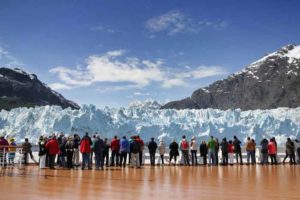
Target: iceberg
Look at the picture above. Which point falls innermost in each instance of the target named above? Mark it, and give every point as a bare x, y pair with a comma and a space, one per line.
147, 120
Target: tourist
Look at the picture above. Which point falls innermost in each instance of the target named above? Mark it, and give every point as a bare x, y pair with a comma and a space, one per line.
98, 150
173, 152
11, 151
42, 152
3, 150
106, 152
94, 139
142, 146
290, 149
60, 140
264, 151
85, 149
134, 151
69, 150
152, 146
272, 150
184, 147
297, 148
224, 149
124, 150
115, 149
237, 150
27, 150
230, 152
161, 151
203, 152
217, 151
194, 147
53, 149
62, 152
76, 142
250, 148
253, 155
211, 145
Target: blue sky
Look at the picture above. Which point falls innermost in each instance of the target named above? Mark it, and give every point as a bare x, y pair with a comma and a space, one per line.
114, 52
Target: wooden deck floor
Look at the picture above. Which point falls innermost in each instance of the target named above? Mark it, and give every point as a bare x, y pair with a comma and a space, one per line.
232, 182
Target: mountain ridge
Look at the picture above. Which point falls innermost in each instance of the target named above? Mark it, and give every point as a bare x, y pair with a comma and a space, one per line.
270, 82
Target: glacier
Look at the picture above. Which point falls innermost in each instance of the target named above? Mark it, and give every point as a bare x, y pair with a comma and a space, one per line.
147, 120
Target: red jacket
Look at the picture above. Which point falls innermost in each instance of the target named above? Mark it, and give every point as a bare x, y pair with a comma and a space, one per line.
115, 145
85, 145
272, 148
52, 146
230, 148
3, 142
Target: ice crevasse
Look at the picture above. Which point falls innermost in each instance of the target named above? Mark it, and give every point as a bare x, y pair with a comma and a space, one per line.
149, 121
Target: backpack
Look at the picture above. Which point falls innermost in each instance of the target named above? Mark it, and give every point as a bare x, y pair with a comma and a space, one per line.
184, 145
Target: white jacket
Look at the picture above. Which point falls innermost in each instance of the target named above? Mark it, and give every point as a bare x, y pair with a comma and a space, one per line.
161, 148
194, 145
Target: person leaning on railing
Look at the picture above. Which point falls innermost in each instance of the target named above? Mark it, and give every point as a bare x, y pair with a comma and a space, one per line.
3, 150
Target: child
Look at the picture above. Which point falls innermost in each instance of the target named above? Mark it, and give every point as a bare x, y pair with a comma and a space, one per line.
230, 152
12, 151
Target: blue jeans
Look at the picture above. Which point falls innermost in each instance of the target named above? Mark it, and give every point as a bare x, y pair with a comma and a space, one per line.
211, 156
86, 160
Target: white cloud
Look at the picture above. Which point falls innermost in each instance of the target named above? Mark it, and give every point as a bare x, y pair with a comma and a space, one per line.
174, 22
141, 94
103, 28
59, 86
128, 72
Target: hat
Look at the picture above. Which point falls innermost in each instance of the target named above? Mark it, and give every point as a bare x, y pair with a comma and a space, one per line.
11, 139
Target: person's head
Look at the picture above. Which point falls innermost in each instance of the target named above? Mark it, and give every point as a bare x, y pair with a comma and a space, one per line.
296, 140
11, 139
248, 138
124, 137
1, 136
230, 141
86, 134
26, 139
234, 137
211, 137
152, 139
193, 138
288, 139
70, 138
94, 136
174, 140
183, 137
41, 138
203, 142
137, 137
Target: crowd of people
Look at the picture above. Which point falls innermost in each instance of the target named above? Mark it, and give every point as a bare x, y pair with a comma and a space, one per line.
62, 151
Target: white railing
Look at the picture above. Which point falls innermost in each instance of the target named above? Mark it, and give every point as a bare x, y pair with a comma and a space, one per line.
5, 160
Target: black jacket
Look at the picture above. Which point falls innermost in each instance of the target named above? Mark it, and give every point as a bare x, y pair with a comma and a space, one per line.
99, 146
203, 150
152, 146
174, 149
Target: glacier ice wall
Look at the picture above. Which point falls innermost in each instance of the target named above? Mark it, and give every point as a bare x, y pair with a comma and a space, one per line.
151, 122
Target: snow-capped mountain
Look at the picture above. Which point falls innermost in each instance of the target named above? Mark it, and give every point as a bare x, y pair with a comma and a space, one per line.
20, 89
270, 82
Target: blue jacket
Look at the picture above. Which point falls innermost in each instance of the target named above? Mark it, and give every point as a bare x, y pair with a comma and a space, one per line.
124, 145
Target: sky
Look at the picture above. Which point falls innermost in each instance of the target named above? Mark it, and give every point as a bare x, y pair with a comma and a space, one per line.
113, 52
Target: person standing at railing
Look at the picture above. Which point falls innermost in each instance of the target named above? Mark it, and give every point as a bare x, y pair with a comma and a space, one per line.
194, 147
290, 149
203, 152
69, 148
264, 151
224, 149
250, 148
231, 152
211, 146
237, 150
106, 152
173, 151
115, 149
184, 147
85, 149
76, 142
11, 151
297, 147
42, 152
98, 151
27, 150
152, 146
3, 150
142, 146
272, 149
135, 148
161, 151
124, 150
53, 149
